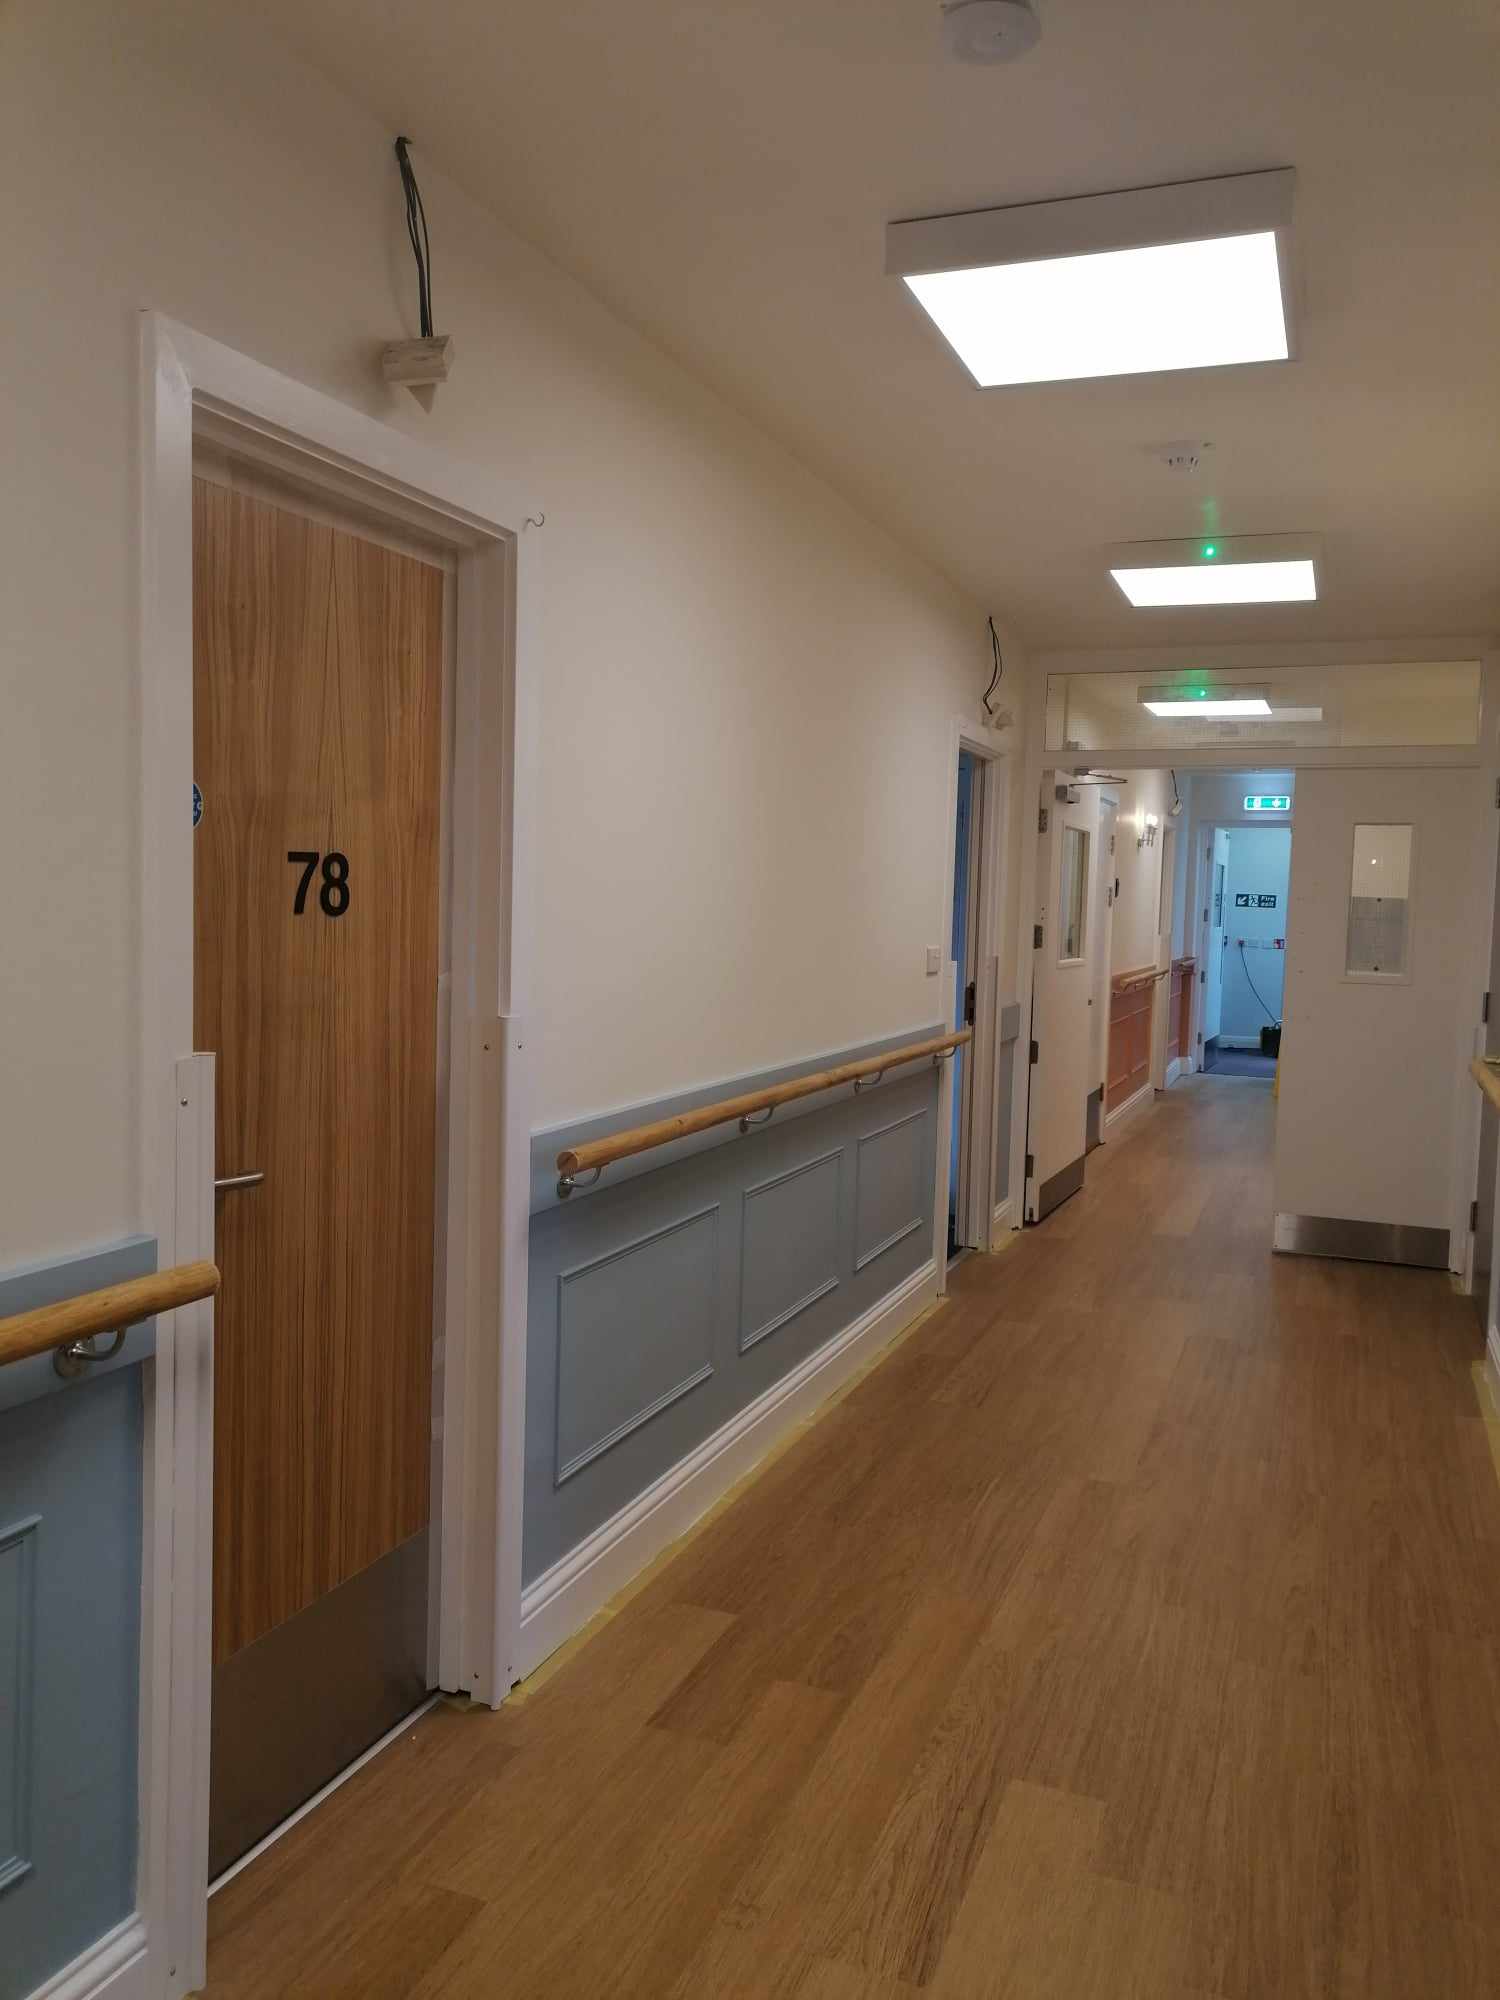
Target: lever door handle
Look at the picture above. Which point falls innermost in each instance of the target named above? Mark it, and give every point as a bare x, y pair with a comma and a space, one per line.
237, 1181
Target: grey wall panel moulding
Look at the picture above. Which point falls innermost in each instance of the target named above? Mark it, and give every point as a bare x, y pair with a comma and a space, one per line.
670, 1300
32, 1285
70, 1596
17, 1682
788, 1245
633, 1334
546, 1145
890, 1199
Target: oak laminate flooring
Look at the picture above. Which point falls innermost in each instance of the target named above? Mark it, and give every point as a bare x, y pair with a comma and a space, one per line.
1133, 1629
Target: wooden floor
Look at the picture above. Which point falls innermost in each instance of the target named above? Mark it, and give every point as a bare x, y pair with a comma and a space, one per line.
1133, 1630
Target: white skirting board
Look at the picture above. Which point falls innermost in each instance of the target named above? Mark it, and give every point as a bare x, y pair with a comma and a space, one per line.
1133, 1105
1178, 1066
1492, 1368
114, 1965
563, 1600
1000, 1222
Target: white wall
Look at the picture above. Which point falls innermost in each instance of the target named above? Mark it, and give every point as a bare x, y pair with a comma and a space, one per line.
1259, 865
748, 690
1133, 943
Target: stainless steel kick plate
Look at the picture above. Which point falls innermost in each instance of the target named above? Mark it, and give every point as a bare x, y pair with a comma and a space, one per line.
1362, 1242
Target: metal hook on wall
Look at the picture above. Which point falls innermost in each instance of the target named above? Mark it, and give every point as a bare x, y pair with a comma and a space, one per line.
535, 521
748, 1120
865, 1082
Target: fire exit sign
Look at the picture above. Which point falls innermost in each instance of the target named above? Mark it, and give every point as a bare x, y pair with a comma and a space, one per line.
1267, 802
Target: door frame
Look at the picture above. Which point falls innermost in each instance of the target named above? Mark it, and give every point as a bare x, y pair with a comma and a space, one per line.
1104, 934
1200, 885
192, 386
976, 1226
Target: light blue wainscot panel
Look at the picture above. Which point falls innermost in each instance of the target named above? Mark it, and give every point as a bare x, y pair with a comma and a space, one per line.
685, 1284
70, 1601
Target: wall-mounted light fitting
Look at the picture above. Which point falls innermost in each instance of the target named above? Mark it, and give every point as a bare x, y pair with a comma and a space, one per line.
1193, 275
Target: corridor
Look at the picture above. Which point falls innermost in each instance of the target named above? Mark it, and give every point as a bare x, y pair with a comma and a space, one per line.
1133, 1629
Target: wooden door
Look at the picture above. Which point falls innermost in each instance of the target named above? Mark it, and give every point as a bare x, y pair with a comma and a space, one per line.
318, 679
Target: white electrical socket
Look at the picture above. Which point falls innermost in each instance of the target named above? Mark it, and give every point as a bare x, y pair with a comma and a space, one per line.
934, 960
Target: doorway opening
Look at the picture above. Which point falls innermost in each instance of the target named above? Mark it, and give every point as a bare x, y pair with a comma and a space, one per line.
1246, 875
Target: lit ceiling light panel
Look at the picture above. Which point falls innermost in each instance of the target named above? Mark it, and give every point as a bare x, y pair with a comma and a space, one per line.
1223, 569
1214, 582
1177, 703
1121, 312
1189, 276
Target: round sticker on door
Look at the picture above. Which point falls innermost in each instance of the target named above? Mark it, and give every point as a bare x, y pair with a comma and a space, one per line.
197, 803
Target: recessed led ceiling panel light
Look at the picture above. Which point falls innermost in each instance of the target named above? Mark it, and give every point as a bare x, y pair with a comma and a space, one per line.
1220, 583
1232, 569
1197, 695
1175, 707
1189, 276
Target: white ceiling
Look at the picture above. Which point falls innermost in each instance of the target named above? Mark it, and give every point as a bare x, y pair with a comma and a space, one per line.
721, 173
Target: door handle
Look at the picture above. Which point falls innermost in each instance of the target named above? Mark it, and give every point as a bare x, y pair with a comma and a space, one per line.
230, 1181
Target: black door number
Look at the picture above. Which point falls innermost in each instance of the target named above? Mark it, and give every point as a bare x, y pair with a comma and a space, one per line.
333, 897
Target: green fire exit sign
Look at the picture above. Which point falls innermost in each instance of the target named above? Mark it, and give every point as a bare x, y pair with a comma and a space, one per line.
1267, 802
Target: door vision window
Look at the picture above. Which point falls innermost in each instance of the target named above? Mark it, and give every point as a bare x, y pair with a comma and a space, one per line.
1379, 903
1072, 893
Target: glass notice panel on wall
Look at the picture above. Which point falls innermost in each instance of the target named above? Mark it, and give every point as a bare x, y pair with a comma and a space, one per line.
1072, 891
1379, 903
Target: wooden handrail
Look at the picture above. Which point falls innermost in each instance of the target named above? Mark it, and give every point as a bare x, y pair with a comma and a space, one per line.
597, 1154
109, 1310
1131, 982
1486, 1073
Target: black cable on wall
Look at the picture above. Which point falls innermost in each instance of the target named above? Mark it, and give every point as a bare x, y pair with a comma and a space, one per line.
416, 229
989, 707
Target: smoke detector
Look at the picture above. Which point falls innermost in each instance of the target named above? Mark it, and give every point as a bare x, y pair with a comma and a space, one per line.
989, 31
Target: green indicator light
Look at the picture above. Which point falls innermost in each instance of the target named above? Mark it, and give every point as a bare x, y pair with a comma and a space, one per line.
1210, 548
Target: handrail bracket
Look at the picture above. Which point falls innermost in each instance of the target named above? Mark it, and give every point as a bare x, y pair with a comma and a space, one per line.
75, 1357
